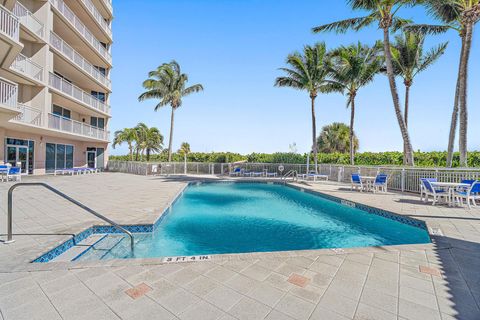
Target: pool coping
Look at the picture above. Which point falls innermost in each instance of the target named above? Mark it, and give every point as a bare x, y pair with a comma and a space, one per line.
62, 246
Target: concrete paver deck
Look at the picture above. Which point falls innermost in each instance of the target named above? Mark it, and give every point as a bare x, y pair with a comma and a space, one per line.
433, 281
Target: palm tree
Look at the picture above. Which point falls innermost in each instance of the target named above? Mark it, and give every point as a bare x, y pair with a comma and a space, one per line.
461, 16
384, 12
127, 135
409, 59
309, 71
354, 67
335, 137
184, 150
140, 128
168, 84
151, 139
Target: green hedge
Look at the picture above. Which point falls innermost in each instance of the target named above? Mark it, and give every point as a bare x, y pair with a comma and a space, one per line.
422, 159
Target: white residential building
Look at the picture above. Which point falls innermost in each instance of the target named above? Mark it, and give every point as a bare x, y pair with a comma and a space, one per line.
55, 83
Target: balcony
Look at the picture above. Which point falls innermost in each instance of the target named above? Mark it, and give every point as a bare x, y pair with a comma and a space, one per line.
98, 17
29, 20
10, 44
77, 94
8, 96
9, 24
27, 67
75, 127
108, 4
78, 25
68, 52
29, 115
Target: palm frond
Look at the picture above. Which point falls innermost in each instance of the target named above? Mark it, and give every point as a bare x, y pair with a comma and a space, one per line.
344, 25
432, 56
427, 28
192, 89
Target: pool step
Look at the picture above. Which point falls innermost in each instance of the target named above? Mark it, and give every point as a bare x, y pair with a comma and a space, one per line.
79, 248
101, 248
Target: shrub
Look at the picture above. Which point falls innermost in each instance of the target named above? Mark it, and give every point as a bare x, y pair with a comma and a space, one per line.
394, 158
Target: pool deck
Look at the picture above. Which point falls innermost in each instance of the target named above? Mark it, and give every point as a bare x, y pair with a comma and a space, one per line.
432, 281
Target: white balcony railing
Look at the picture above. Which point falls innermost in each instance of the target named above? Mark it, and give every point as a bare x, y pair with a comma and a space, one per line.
75, 127
72, 55
26, 66
28, 19
108, 4
68, 14
98, 16
78, 94
29, 115
9, 24
8, 94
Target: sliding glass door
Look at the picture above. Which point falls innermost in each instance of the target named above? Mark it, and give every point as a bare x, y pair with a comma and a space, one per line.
58, 156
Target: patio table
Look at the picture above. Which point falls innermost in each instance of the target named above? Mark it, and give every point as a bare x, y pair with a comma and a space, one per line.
368, 180
450, 186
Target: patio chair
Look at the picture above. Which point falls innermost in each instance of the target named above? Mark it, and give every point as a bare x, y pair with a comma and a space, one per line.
235, 173
470, 195
14, 173
247, 173
315, 176
429, 190
422, 186
3, 171
357, 183
380, 183
257, 174
271, 174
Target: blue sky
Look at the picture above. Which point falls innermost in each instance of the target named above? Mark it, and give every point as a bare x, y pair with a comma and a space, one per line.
234, 48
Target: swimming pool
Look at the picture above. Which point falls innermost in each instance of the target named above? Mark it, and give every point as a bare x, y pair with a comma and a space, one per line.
217, 218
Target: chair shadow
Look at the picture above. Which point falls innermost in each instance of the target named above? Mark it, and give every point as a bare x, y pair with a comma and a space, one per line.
459, 262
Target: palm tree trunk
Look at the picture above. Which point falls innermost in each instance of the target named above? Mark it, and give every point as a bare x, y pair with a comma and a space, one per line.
130, 150
454, 121
314, 134
171, 135
352, 142
463, 97
407, 104
396, 100
148, 154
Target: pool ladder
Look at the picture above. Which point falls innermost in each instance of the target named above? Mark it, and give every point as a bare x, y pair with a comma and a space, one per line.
64, 196
290, 174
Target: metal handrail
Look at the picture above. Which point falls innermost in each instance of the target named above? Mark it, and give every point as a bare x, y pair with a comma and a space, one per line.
291, 173
61, 194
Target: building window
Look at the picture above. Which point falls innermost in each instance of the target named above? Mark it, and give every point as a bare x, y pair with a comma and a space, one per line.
61, 76
97, 122
58, 156
61, 112
103, 71
99, 95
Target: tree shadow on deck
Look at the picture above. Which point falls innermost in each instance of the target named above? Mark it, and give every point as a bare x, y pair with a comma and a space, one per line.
458, 291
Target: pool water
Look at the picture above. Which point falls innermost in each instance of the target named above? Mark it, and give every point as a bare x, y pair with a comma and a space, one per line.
215, 218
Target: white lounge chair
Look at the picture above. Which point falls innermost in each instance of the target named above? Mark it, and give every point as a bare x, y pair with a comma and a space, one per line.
14, 173
436, 194
470, 195
357, 183
315, 176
